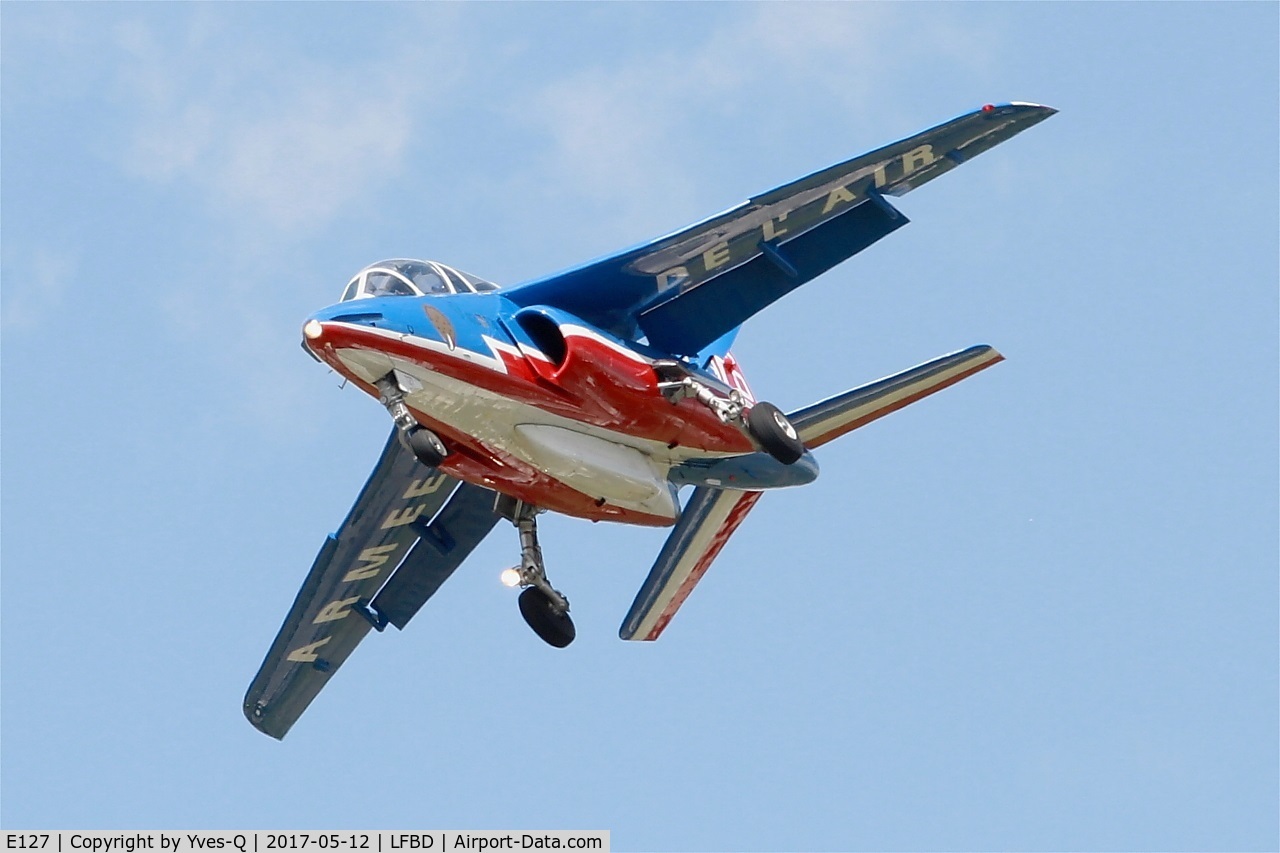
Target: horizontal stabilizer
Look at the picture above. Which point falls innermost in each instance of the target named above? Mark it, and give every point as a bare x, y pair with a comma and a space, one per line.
708, 520
832, 418
711, 515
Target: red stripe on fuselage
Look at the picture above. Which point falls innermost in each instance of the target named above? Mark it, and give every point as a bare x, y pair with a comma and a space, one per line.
609, 406
477, 463
481, 464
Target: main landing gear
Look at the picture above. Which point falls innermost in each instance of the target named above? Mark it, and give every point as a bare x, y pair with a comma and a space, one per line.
543, 607
772, 431
764, 422
422, 442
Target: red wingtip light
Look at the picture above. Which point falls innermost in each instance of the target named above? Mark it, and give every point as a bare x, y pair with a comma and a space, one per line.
988, 108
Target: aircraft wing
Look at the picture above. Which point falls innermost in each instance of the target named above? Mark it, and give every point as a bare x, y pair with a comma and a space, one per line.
687, 289
409, 529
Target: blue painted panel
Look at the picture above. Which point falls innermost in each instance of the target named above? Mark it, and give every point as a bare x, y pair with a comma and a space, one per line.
445, 543
751, 471
703, 313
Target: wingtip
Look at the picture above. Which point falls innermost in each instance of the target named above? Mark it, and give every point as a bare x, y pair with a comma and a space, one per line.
983, 352
257, 718
1041, 111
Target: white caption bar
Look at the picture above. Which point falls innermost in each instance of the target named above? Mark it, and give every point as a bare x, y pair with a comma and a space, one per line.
347, 841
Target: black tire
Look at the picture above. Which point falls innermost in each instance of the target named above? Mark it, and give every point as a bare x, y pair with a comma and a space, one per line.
428, 447
774, 433
554, 627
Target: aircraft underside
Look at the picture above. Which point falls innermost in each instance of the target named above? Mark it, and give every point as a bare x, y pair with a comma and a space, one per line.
500, 430
534, 455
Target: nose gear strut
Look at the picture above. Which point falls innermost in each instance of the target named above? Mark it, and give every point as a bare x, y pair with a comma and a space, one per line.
422, 442
543, 607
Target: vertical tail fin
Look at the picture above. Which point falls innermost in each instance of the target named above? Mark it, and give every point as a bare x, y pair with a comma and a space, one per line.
708, 520
711, 515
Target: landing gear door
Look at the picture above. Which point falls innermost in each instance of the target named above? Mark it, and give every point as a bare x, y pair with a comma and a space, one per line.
728, 371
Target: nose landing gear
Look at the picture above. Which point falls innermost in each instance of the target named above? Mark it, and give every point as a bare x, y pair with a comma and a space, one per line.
543, 607
422, 442
427, 446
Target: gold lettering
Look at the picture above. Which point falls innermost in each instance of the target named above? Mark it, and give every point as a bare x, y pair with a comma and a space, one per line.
672, 277
837, 195
771, 231
307, 654
335, 610
375, 557
716, 256
425, 487
917, 158
403, 516
881, 177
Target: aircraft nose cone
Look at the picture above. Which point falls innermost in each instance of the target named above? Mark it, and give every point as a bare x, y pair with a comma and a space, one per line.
312, 330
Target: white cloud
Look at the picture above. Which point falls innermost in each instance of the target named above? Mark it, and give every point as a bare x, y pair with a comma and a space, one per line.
265, 133
631, 134
298, 167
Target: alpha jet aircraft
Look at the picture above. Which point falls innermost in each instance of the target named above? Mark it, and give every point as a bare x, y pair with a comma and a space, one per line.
599, 392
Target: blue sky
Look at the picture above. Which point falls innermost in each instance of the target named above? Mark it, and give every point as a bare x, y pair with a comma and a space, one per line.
1037, 611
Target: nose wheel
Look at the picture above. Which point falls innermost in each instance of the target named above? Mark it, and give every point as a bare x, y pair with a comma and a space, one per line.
543, 607
427, 446
422, 442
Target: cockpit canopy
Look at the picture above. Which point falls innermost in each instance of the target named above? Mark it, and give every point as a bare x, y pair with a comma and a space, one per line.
403, 277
